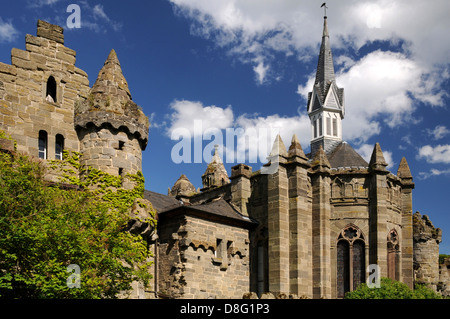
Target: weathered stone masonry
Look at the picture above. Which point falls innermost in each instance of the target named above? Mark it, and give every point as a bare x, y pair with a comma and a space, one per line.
310, 229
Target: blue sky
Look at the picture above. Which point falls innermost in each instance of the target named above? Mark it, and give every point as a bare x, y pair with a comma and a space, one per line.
249, 64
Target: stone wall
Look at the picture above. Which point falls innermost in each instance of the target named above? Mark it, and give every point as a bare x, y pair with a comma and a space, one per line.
110, 150
25, 108
202, 259
426, 250
444, 277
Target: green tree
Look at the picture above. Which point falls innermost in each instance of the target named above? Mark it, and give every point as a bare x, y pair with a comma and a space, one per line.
45, 229
391, 289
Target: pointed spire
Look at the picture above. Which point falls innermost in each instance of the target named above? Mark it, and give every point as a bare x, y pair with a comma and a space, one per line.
403, 170
215, 174
278, 147
326, 96
377, 161
110, 80
325, 27
325, 66
320, 161
182, 187
112, 58
296, 148
216, 157
405, 174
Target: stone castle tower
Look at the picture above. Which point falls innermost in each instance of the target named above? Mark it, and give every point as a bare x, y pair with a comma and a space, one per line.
49, 107
112, 129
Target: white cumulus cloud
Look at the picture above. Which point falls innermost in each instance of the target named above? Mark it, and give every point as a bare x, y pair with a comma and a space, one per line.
248, 138
8, 32
435, 154
186, 115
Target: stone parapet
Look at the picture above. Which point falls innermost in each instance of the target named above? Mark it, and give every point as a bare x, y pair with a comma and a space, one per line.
137, 126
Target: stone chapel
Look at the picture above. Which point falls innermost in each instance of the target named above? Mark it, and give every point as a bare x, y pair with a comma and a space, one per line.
309, 229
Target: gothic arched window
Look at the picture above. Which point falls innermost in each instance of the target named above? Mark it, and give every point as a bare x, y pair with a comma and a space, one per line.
350, 259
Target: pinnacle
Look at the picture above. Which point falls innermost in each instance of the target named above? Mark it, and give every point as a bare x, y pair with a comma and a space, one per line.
325, 27
278, 147
296, 147
403, 170
112, 58
216, 157
377, 160
320, 159
110, 80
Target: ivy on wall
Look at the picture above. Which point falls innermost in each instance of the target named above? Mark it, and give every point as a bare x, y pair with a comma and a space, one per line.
45, 229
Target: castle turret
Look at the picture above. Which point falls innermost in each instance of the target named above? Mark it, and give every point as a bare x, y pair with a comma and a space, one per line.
112, 129
182, 187
215, 174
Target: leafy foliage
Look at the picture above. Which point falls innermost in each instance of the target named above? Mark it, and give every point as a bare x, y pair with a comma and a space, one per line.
44, 229
442, 257
391, 289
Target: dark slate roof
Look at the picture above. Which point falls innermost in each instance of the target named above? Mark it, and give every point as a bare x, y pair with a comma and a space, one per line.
344, 155
221, 207
217, 210
161, 202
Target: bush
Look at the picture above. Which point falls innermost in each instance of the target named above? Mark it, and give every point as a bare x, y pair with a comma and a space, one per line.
45, 229
391, 289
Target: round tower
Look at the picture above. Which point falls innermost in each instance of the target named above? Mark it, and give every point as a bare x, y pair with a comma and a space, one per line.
112, 129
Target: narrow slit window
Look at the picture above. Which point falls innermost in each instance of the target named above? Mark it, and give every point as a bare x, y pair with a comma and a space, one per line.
50, 94
315, 129
219, 248
320, 127
121, 145
42, 144
59, 147
335, 128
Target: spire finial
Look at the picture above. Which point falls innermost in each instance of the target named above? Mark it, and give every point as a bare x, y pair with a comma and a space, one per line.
324, 6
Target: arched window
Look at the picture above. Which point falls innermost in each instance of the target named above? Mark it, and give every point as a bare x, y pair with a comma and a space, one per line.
59, 146
392, 255
50, 94
359, 263
42, 144
350, 259
343, 267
